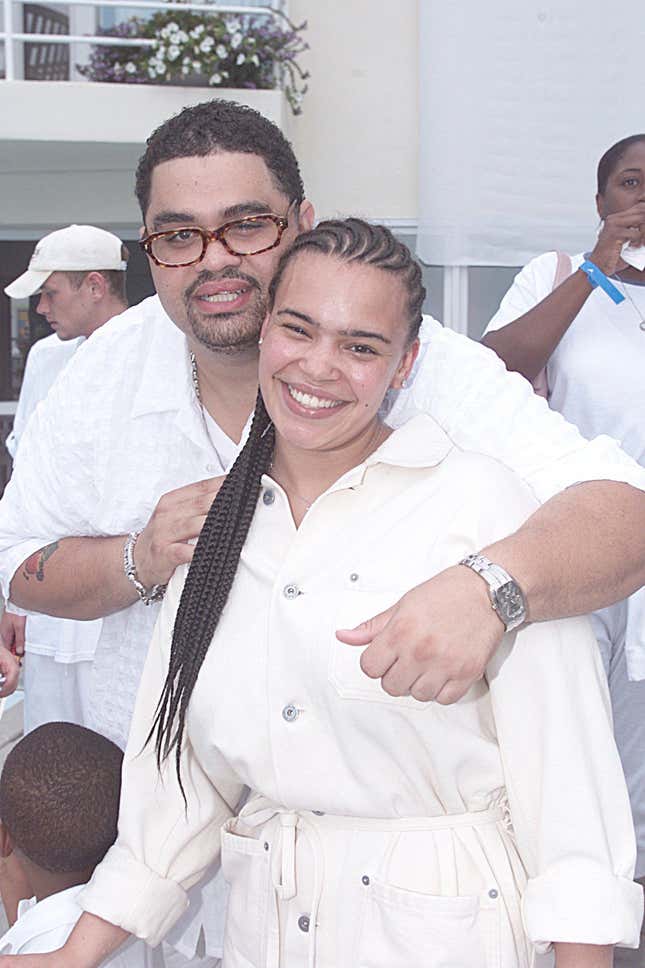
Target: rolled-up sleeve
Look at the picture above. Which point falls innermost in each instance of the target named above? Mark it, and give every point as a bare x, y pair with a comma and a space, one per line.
567, 793
164, 844
482, 407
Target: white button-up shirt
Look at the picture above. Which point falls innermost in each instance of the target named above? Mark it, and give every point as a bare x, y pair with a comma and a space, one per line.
122, 426
62, 639
283, 707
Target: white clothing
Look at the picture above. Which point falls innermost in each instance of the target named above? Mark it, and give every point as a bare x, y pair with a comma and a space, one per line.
122, 427
45, 926
596, 371
413, 851
64, 640
45, 360
55, 691
595, 377
628, 705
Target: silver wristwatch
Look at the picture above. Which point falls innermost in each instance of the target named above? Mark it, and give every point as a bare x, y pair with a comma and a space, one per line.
147, 595
505, 594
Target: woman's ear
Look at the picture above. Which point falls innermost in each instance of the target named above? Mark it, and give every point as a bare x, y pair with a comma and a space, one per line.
404, 368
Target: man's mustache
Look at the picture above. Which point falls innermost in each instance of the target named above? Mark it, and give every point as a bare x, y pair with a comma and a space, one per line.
207, 276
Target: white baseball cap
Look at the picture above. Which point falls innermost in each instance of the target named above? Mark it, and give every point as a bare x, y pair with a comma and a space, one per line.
78, 248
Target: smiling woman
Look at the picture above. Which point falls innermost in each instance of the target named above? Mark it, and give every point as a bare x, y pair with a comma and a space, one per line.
380, 829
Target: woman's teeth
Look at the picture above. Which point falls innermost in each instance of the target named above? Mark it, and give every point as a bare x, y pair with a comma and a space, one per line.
314, 403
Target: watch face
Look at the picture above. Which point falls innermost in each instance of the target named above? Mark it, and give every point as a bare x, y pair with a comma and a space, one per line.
510, 602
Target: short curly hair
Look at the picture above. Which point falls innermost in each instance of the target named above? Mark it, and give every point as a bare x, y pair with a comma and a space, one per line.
214, 126
59, 796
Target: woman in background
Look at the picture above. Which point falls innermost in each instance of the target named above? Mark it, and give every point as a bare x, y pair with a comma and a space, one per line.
594, 352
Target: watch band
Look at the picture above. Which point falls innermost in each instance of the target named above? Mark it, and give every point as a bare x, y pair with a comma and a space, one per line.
147, 595
498, 578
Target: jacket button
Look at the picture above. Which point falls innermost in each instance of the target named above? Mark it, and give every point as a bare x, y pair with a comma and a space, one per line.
290, 713
493, 893
303, 922
268, 497
290, 591
365, 879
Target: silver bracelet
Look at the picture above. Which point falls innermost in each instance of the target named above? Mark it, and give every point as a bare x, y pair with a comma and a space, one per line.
147, 595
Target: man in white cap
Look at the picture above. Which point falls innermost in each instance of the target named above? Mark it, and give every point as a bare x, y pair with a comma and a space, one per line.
79, 274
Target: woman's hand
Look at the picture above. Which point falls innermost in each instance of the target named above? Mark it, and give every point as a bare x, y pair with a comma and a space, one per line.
618, 228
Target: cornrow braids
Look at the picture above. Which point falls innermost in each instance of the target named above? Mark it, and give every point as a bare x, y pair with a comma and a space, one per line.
354, 240
209, 582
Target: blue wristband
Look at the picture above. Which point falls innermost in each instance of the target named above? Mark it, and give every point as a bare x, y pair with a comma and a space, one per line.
598, 278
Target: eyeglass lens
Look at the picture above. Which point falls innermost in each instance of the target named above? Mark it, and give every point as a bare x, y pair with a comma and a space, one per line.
244, 238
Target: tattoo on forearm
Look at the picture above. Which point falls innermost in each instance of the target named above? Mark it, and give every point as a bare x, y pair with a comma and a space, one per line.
34, 567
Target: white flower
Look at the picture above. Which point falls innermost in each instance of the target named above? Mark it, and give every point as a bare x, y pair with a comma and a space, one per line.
197, 31
256, 60
151, 71
240, 58
221, 51
160, 67
197, 66
171, 28
181, 37
224, 74
161, 53
236, 40
232, 25
185, 69
215, 79
173, 52
131, 68
207, 45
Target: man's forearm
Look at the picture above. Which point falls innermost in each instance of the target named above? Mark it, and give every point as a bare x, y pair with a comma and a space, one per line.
80, 578
582, 550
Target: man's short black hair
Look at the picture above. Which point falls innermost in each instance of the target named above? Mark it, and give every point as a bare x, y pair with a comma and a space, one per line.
214, 126
59, 796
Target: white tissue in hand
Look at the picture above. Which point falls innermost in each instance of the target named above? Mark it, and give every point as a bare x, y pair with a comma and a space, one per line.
634, 256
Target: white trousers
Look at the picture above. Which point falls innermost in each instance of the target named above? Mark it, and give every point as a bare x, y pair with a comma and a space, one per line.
55, 691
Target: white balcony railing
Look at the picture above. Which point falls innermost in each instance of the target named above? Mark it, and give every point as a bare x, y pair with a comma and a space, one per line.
12, 37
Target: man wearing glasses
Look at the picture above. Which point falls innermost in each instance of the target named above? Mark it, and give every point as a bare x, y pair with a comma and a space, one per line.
162, 399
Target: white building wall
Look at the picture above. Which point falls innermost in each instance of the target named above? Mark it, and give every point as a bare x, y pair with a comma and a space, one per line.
357, 137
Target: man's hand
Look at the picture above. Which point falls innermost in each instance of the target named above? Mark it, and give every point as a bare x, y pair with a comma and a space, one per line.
10, 670
435, 642
12, 632
177, 519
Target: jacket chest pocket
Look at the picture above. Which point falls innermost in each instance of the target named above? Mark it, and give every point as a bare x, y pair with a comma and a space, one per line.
403, 929
344, 669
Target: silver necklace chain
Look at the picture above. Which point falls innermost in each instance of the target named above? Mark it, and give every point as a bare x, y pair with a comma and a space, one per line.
198, 394
628, 296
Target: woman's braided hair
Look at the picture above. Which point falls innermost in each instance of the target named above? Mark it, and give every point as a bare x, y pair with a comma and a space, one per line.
217, 553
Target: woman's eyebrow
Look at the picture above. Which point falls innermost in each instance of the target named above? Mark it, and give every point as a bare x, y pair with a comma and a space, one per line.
353, 333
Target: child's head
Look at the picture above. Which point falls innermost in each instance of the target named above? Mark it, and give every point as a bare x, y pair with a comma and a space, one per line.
59, 798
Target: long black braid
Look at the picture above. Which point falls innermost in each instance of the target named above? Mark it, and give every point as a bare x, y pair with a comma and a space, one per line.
217, 553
